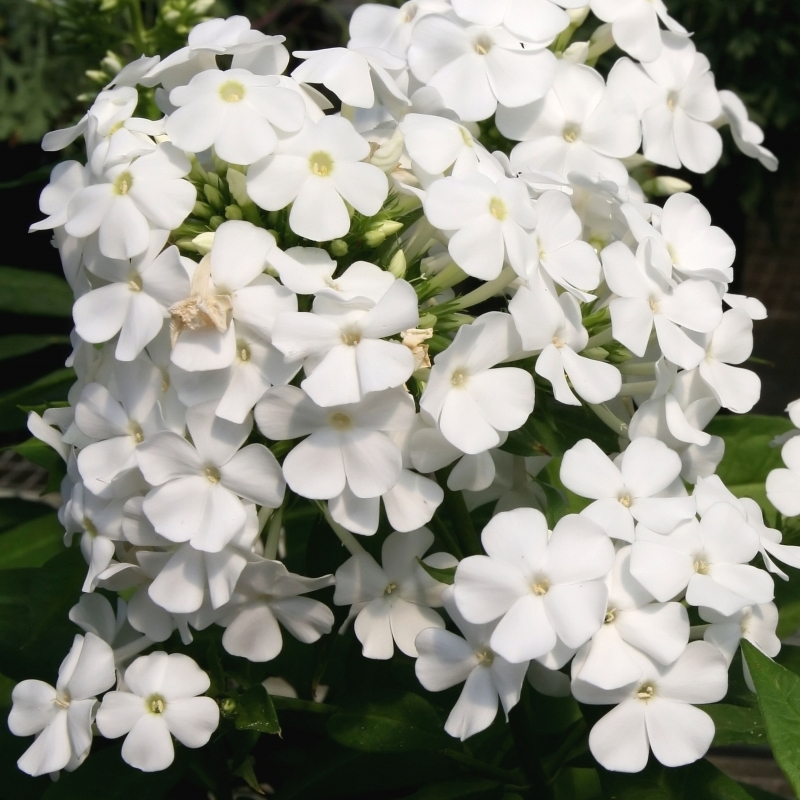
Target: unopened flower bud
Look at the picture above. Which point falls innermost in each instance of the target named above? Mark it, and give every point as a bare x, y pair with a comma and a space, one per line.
339, 248
201, 6
665, 185
111, 63
397, 266
96, 76
601, 41
576, 53
387, 156
577, 16
203, 242
388, 227
213, 196
374, 238
228, 706
202, 210
237, 183
233, 212
216, 221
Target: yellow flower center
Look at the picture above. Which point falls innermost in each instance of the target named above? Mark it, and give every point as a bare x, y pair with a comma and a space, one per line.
321, 164
610, 616
498, 209
459, 378
156, 704
626, 501
213, 475
571, 133
232, 92
646, 691
340, 421
540, 587
123, 183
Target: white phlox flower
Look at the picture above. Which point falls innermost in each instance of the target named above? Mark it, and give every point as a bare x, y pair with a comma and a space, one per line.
696, 248
707, 559
558, 252
342, 343
135, 300
634, 25
514, 484
677, 101
198, 486
468, 397
131, 199
161, 701
580, 125
356, 75
235, 112
752, 306
117, 426
633, 624
318, 171
251, 50
553, 327
394, 601
730, 343
186, 579
657, 711
445, 659
389, 29
641, 485
66, 180
228, 287
266, 594
409, 504
62, 716
536, 21
540, 585
438, 144
648, 299
747, 135
475, 67
347, 446
489, 221
783, 483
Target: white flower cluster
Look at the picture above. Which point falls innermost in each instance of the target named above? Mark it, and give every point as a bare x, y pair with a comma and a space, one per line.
271, 310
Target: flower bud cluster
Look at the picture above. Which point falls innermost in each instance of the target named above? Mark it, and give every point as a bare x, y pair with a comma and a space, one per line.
279, 306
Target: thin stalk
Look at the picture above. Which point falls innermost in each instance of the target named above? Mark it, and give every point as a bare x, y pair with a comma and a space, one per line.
488, 290
345, 537
645, 368
451, 275
607, 416
462, 521
599, 339
641, 387
274, 534
132, 648
137, 24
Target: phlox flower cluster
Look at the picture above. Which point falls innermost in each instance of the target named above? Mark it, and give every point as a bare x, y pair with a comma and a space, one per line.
357, 309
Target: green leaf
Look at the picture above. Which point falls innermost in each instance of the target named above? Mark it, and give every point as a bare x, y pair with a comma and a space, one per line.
445, 575
779, 700
256, 712
405, 723
104, 774
28, 291
748, 457
693, 782
32, 543
51, 387
42, 454
21, 344
469, 788
736, 724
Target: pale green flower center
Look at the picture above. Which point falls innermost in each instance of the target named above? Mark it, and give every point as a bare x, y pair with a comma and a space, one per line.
321, 164
122, 184
232, 92
498, 209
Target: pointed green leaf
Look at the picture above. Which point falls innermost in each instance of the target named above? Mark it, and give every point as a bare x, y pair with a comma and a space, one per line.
256, 712
28, 291
779, 700
22, 344
444, 575
32, 543
736, 725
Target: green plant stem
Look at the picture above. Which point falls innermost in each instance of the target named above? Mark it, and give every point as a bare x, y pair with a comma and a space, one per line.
488, 290
462, 521
345, 537
274, 534
447, 278
607, 416
529, 753
137, 25
644, 368
642, 387
604, 337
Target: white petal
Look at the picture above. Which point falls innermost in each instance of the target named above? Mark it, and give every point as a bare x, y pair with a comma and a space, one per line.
476, 706
619, 740
148, 746
443, 659
525, 632
254, 634
407, 620
374, 631
679, 733
119, 712
192, 720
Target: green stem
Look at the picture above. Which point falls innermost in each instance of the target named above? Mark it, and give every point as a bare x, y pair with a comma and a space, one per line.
529, 753
448, 540
631, 389
137, 24
604, 337
274, 534
451, 275
489, 289
644, 368
462, 521
345, 537
606, 415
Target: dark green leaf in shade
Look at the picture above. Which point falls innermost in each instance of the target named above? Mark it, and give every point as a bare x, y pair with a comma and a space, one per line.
21, 344
256, 712
444, 575
457, 788
692, 782
52, 387
404, 723
778, 692
32, 543
736, 725
28, 291
42, 454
